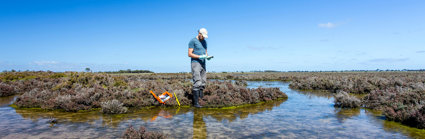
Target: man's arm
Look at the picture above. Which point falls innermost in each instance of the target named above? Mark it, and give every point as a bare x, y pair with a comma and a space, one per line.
190, 54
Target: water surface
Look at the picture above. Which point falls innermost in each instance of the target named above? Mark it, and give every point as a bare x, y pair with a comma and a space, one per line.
302, 115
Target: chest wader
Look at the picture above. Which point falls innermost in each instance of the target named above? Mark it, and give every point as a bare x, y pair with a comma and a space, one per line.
199, 80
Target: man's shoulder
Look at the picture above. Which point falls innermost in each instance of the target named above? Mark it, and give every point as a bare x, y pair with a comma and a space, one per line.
194, 39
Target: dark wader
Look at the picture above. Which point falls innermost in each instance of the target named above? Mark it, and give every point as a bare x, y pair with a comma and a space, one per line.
199, 78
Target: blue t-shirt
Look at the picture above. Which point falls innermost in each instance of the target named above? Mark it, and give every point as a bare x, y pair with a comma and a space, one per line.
199, 48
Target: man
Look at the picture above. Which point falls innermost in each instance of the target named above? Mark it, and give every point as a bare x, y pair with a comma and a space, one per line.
198, 54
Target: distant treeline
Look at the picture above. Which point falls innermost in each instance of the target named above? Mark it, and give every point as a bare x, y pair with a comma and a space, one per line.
130, 71
377, 70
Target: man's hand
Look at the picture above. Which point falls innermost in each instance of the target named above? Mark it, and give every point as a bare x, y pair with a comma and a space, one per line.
209, 57
203, 57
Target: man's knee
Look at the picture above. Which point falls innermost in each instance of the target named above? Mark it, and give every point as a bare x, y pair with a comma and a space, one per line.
197, 86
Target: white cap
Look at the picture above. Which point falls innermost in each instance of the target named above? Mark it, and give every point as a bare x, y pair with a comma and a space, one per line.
203, 32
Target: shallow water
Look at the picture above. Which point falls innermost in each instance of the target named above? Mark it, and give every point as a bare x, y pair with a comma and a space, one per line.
302, 115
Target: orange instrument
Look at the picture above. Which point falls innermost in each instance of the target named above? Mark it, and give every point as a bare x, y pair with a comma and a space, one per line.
163, 97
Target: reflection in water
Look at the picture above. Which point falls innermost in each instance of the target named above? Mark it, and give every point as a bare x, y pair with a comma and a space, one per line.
314, 93
409, 131
391, 126
146, 114
346, 113
150, 115
240, 112
199, 127
5, 101
163, 113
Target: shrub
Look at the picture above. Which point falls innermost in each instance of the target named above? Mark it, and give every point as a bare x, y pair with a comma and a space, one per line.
344, 100
73, 91
113, 107
222, 94
241, 83
406, 107
6, 90
131, 133
66, 103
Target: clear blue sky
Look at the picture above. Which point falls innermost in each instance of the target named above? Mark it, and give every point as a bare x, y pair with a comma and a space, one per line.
244, 35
